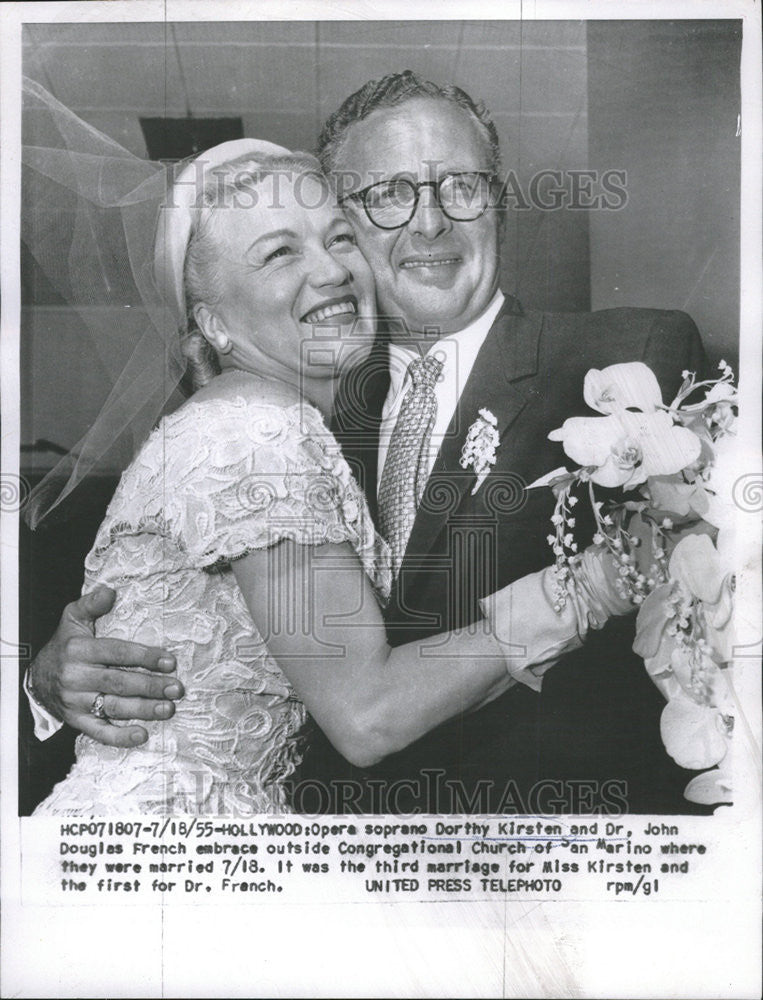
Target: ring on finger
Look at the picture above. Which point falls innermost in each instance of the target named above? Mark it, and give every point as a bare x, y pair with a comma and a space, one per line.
97, 708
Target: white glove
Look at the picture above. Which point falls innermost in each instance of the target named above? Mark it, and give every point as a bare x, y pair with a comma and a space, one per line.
533, 635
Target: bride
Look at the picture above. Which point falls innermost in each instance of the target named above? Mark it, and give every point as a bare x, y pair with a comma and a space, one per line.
238, 538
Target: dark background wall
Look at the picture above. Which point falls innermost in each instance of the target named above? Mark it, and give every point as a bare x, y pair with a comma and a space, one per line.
663, 99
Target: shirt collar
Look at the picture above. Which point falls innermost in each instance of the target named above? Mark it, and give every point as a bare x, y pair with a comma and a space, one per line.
464, 344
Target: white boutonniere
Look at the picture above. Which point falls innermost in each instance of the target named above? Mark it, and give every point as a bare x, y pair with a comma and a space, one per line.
479, 448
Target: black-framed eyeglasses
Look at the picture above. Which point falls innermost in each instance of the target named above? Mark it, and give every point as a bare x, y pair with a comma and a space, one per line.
462, 197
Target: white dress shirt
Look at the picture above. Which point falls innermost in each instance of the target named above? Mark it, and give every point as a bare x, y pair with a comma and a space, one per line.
458, 352
45, 724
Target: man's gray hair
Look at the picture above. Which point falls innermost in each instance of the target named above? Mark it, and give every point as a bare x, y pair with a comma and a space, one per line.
391, 91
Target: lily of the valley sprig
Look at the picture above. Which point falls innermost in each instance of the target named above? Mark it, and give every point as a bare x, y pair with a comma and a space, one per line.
480, 446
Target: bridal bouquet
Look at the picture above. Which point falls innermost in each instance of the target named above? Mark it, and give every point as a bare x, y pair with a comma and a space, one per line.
674, 464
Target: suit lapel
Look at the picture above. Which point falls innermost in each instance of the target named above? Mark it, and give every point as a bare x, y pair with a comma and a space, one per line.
357, 419
500, 381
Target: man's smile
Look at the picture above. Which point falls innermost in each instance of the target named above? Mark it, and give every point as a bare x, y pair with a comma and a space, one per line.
426, 261
439, 270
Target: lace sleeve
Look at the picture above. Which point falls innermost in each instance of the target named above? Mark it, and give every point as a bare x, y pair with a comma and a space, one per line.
242, 476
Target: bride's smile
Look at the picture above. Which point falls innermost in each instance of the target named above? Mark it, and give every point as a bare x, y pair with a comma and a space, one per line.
346, 305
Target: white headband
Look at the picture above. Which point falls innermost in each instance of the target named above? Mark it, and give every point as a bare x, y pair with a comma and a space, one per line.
173, 229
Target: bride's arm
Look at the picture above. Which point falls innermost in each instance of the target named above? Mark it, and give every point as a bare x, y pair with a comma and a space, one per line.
316, 610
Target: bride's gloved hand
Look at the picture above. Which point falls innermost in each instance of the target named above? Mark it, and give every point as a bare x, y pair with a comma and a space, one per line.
535, 629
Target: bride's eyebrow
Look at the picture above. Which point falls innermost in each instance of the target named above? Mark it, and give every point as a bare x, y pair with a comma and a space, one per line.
273, 235
339, 219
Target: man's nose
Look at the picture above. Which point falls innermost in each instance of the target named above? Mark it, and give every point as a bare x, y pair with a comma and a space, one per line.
429, 220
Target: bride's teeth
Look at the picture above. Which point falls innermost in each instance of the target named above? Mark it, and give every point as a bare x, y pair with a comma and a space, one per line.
318, 315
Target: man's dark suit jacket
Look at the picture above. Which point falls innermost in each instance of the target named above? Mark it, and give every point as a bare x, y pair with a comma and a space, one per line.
592, 735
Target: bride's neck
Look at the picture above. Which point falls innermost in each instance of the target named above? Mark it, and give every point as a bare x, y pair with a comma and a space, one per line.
321, 392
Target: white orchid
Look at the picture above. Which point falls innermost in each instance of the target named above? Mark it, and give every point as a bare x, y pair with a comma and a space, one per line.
621, 387
718, 480
683, 632
714, 787
695, 736
637, 438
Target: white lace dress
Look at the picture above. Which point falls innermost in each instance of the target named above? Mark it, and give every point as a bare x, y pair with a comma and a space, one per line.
215, 480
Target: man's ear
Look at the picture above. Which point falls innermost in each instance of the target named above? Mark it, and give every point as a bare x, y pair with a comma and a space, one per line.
212, 328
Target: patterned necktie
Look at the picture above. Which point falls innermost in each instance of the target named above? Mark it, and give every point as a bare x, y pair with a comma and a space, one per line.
406, 467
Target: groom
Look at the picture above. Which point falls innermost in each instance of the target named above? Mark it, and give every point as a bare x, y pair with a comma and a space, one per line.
416, 166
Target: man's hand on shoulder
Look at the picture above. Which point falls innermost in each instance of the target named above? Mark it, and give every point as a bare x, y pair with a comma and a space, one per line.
74, 668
